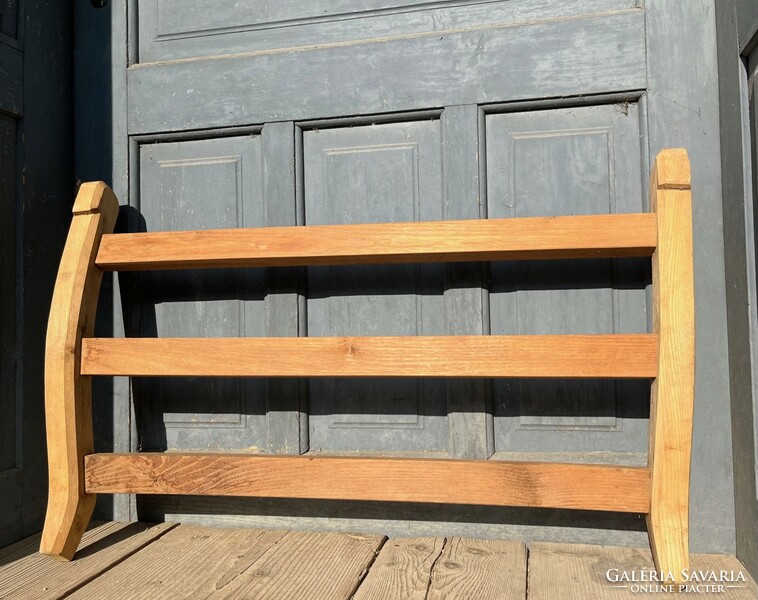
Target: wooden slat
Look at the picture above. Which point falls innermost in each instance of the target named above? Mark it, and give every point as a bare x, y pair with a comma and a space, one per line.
590, 236
494, 483
27, 575
403, 569
620, 356
673, 391
481, 569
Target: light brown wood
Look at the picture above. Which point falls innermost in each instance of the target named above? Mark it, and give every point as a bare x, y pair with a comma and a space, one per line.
203, 564
672, 170
666, 355
306, 565
27, 575
494, 483
579, 572
68, 410
589, 236
403, 569
621, 356
482, 569
188, 562
673, 391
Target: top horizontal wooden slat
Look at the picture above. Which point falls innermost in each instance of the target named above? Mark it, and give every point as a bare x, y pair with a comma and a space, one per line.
592, 236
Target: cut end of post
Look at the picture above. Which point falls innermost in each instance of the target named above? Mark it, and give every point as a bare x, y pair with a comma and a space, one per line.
672, 169
96, 197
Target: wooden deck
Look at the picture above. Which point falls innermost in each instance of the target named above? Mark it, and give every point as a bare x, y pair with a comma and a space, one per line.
140, 561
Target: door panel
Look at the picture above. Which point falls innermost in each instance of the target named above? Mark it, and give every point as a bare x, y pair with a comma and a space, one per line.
7, 292
11, 490
9, 18
173, 29
389, 172
11, 87
567, 162
202, 184
36, 190
593, 54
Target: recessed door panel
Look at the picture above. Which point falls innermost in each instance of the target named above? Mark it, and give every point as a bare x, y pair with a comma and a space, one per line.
204, 184
372, 174
572, 161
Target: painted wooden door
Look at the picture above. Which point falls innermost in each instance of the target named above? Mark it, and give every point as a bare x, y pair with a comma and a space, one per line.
294, 113
342, 133
11, 88
35, 207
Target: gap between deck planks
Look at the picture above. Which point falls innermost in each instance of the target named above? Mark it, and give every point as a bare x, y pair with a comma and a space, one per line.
27, 575
130, 561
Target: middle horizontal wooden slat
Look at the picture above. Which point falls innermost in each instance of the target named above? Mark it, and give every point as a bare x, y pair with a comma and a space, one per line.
483, 482
564, 356
586, 236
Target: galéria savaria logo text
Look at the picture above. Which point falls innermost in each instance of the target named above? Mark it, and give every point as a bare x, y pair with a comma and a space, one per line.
688, 580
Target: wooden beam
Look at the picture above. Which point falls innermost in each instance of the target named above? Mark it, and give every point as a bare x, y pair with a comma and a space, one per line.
570, 356
673, 391
492, 483
68, 395
591, 236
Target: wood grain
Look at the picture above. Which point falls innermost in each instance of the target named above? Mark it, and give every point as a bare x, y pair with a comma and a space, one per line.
403, 569
622, 356
578, 571
27, 575
590, 236
68, 396
481, 569
673, 391
494, 483
306, 565
188, 562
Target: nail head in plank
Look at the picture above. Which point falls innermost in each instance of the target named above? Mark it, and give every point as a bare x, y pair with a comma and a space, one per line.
586, 236
403, 569
592, 356
494, 483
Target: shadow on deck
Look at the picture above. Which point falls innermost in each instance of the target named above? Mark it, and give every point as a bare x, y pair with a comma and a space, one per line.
141, 561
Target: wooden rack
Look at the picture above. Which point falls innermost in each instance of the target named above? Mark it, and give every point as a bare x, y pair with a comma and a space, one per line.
667, 356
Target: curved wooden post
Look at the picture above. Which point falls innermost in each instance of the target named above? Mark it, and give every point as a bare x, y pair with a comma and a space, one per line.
68, 395
673, 391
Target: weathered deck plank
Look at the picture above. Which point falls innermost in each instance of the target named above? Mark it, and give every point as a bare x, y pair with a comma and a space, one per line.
307, 565
200, 563
188, 562
481, 569
131, 561
403, 569
578, 572
27, 575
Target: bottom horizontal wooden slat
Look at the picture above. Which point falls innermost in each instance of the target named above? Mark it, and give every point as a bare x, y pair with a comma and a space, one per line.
494, 483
